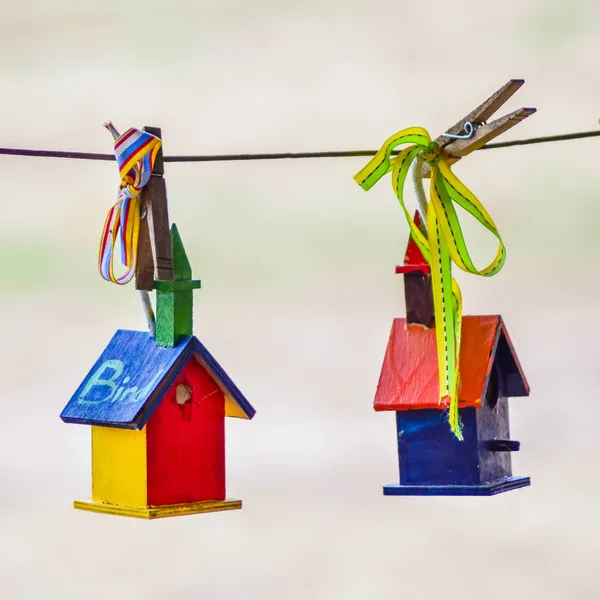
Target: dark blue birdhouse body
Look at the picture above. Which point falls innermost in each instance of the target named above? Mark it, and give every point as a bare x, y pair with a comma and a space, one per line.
432, 461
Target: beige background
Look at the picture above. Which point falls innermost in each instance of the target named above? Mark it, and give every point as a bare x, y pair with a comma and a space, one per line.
297, 266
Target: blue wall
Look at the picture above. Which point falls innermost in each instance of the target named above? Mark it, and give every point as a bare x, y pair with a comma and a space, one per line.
430, 454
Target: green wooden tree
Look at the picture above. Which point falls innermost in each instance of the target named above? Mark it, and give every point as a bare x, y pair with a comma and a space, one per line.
174, 299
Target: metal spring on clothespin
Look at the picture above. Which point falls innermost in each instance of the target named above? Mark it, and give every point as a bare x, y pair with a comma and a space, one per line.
470, 129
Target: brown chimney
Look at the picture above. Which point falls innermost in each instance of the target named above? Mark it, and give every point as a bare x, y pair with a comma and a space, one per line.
417, 284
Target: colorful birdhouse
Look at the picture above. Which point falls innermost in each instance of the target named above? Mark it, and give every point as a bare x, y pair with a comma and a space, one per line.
157, 407
432, 460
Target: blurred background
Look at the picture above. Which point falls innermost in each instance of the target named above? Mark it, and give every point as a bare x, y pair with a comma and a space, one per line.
298, 290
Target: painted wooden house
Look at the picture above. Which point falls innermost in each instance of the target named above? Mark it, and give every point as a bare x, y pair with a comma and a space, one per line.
432, 461
157, 409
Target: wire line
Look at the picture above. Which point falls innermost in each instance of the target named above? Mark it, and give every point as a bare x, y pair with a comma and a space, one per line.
279, 155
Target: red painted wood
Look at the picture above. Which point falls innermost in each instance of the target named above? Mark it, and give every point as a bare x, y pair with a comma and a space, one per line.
413, 259
409, 377
411, 268
186, 444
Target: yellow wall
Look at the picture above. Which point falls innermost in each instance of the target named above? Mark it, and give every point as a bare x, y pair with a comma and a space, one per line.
119, 466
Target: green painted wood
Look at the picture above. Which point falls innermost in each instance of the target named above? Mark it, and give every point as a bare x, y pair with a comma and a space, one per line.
182, 270
168, 286
174, 299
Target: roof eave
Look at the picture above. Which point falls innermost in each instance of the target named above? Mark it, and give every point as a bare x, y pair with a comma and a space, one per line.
145, 412
516, 382
228, 386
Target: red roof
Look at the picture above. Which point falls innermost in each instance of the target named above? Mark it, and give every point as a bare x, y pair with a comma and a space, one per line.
409, 377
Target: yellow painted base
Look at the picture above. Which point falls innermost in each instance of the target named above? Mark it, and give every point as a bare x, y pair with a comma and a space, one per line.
157, 512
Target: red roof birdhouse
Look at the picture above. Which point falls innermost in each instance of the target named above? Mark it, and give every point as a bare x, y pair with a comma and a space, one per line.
432, 460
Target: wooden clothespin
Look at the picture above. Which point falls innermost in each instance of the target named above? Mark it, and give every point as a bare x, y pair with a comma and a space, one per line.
155, 258
476, 122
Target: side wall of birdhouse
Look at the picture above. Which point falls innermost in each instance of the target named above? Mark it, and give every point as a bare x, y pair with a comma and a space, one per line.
493, 424
119, 466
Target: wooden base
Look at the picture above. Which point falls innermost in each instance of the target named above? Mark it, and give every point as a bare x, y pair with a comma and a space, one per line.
486, 489
157, 512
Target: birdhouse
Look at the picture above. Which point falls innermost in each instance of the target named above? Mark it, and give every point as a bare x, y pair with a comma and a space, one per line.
432, 460
157, 408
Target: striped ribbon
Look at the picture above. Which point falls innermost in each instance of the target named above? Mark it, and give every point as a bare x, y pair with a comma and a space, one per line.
135, 152
442, 244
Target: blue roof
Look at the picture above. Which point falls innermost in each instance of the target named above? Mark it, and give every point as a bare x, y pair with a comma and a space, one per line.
132, 376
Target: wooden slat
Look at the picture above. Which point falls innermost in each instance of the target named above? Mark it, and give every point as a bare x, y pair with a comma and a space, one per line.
484, 111
456, 149
503, 445
156, 512
158, 224
417, 283
488, 132
481, 137
127, 381
144, 268
154, 246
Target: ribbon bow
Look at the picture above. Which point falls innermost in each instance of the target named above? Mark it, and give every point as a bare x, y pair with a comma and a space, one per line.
442, 244
135, 152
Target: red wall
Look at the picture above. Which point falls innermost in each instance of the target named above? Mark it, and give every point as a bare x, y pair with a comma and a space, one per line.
186, 444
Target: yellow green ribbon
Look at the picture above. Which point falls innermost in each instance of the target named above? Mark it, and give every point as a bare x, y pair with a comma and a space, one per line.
442, 244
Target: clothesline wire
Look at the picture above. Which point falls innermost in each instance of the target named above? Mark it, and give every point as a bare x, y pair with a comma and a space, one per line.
280, 155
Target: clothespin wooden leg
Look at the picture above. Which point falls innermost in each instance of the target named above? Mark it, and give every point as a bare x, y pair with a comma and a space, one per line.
155, 259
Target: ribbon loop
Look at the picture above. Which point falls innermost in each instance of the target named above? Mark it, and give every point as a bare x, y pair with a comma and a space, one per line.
441, 245
136, 153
